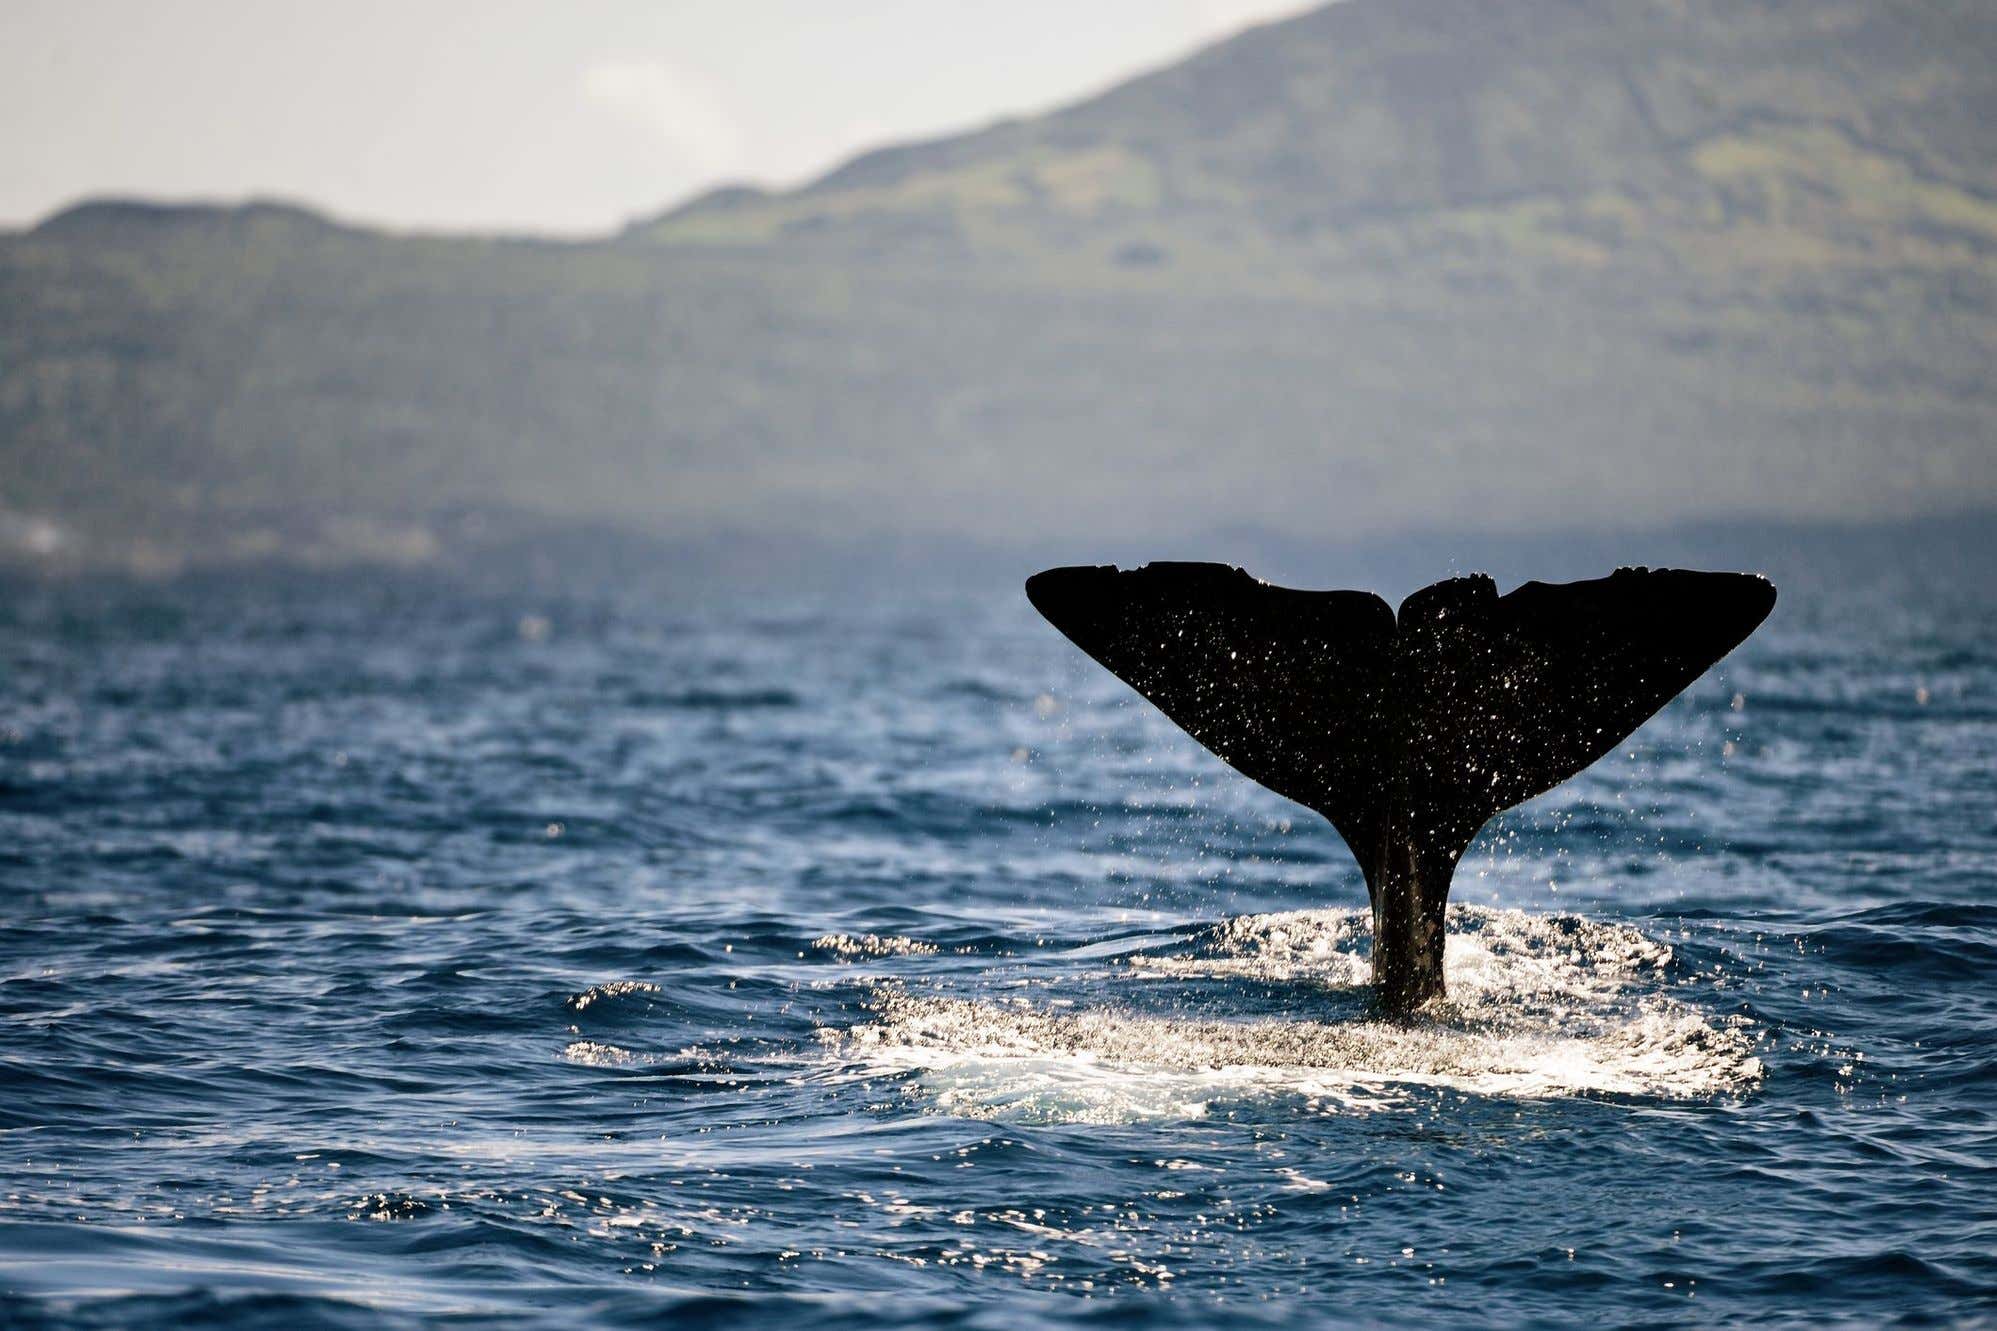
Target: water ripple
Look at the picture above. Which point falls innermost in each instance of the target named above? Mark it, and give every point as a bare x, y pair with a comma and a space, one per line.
371, 958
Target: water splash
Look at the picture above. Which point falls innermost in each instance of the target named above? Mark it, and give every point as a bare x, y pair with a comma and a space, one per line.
1540, 1006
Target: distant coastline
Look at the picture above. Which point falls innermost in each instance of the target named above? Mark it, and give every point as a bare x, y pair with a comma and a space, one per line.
494, 552
1343, 282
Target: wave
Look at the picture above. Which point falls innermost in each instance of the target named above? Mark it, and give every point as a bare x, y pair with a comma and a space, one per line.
873, 947
713, 699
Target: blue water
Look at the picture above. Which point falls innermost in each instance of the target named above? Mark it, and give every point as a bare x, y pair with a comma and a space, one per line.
388, 954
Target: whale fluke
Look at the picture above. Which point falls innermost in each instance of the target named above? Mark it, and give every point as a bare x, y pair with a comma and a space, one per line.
1407, 732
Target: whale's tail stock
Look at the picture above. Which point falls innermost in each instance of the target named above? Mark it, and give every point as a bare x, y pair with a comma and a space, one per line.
1407, 732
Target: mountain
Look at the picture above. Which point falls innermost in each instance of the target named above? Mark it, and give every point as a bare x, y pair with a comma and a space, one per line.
1578, 132
1384, 268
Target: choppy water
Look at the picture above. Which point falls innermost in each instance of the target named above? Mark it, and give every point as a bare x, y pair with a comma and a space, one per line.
389, 954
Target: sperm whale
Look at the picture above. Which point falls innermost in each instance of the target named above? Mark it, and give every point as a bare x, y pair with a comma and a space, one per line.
1410, 731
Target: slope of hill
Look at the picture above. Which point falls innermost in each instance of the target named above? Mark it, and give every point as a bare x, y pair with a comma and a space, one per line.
1581, 131
1387, 266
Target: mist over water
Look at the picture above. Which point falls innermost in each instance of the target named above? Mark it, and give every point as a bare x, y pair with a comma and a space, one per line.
383, 952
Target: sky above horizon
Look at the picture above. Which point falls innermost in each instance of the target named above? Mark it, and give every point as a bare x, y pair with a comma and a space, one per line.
570, 119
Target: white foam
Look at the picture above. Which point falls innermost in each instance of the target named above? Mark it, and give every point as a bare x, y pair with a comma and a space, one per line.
1539, 1006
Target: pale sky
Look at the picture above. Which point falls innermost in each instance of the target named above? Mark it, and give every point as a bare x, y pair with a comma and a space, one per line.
569, 117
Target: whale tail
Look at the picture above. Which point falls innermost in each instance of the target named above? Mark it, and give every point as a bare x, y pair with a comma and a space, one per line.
1407, 732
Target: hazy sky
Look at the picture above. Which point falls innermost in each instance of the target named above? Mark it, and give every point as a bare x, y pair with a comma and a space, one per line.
548, 116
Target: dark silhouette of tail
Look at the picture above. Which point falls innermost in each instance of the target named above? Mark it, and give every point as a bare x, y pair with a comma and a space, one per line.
1408, 733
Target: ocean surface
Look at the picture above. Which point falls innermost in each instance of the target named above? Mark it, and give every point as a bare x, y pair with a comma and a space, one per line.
385, 954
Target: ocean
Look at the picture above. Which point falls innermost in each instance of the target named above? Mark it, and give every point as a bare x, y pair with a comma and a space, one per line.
383, 954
